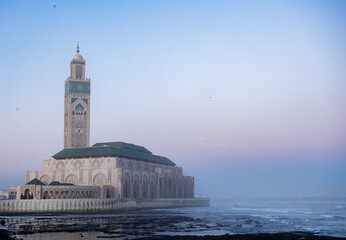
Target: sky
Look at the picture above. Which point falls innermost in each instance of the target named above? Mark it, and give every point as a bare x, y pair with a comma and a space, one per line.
247, 96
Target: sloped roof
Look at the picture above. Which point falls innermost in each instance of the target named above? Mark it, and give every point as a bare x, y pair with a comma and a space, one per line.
124, 145
35, 181
57, 183
113, 149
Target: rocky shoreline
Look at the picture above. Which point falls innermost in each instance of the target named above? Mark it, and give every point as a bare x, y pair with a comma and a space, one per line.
5, 235
260, 236
145, 225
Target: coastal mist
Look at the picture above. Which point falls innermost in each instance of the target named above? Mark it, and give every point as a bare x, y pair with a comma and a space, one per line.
175, 120
321, 217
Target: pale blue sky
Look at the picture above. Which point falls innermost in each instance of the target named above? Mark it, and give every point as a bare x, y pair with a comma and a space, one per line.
247, 95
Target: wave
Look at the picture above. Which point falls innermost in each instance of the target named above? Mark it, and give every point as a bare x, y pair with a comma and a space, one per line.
326, 216
260, 209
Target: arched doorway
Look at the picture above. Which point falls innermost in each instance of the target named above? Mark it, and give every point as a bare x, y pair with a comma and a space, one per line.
180, 189
45, 195
27, 194
126, 186
136, 187
144, 187
160, 188
185, 187
170, 188
191, 190
174, 189
152, 187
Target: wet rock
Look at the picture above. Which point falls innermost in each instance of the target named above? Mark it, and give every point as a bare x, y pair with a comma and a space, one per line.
261, 236
4, 235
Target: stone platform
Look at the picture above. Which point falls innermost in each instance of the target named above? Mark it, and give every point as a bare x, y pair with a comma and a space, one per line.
87, 205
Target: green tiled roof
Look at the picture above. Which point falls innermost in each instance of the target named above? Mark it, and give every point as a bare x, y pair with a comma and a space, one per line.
113, 149
35, 181
57, 183
128, 146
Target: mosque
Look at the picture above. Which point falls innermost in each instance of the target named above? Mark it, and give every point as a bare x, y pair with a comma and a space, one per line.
103, 170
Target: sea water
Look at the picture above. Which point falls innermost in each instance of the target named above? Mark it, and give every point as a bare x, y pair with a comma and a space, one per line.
325, 217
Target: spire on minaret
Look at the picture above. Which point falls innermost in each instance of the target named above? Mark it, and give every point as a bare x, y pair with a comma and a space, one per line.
77, 109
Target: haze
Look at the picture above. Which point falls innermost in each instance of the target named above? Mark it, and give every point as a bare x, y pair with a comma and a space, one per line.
247, 96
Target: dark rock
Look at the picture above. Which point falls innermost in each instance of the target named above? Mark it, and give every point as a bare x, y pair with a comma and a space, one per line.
261, 236
4, 235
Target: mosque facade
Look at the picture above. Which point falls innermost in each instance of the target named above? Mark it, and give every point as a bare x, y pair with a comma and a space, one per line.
103, 170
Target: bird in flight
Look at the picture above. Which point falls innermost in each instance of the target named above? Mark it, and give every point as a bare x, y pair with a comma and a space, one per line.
54, 6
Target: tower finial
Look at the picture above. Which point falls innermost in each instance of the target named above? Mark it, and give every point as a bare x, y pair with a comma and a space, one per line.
77, 47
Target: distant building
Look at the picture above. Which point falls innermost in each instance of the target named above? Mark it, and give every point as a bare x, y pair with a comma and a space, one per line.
104, 170
4, 194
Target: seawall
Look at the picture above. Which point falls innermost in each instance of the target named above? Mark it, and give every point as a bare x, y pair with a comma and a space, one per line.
86, 205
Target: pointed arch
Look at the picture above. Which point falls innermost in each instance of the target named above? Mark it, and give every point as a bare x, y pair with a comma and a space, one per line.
60, 165
191, 189
79, 106
72, 179
153, 187
126, 186
77, 165
100, 180
135, 192
144, 187
185, 187
180, 188
45, 179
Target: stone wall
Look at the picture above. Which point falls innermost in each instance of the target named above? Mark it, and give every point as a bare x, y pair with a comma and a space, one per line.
84, 205
130, 178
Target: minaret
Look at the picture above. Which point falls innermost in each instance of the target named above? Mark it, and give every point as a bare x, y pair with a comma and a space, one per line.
77, 105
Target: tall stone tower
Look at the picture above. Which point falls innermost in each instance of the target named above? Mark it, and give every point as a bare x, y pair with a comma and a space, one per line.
77, 105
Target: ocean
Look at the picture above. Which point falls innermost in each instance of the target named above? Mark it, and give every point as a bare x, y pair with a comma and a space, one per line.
323, 217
